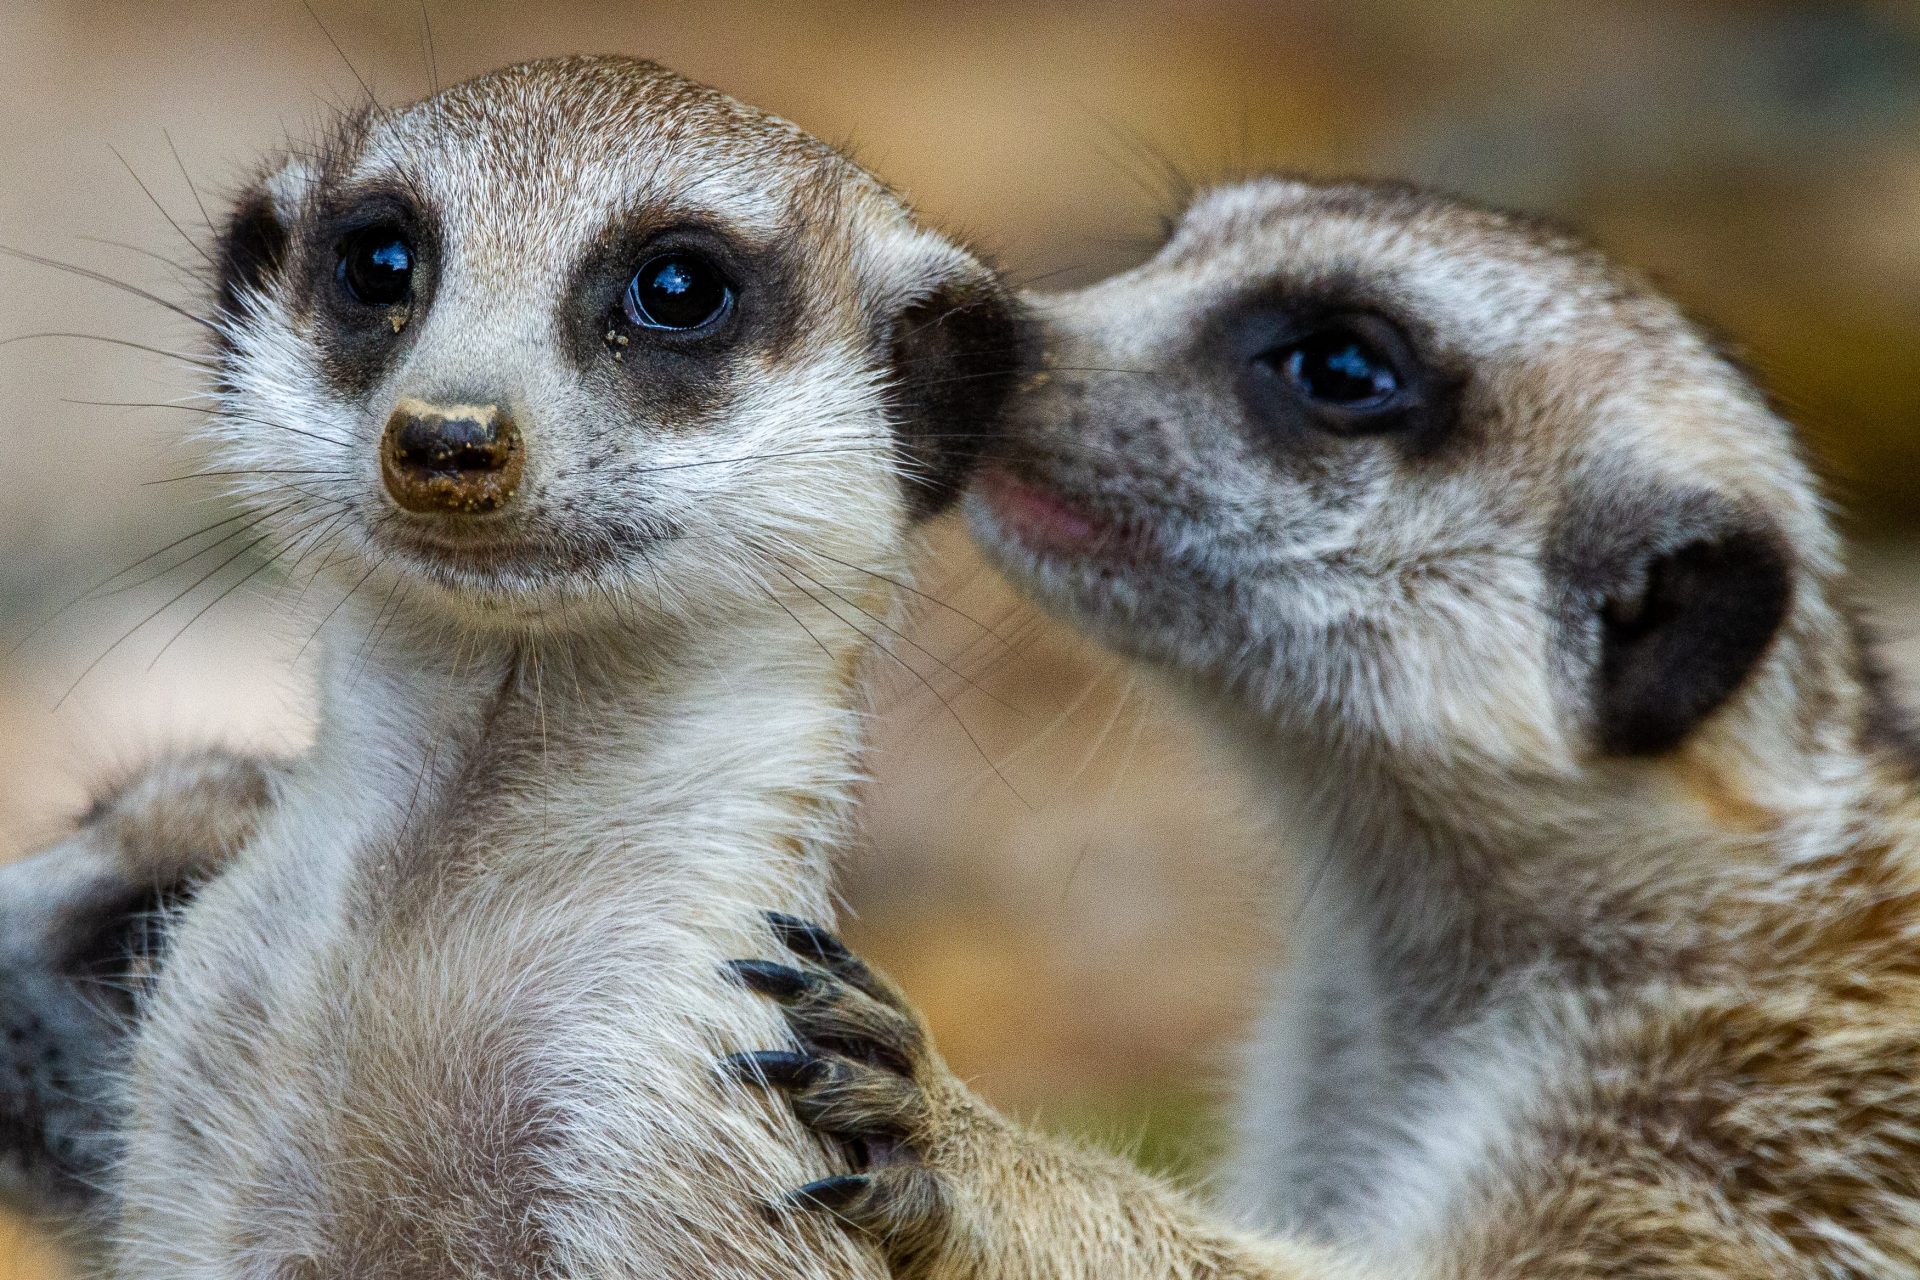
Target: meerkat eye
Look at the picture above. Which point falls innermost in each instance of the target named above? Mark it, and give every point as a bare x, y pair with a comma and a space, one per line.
1338, 371
1340, 367
678, 292
376, 266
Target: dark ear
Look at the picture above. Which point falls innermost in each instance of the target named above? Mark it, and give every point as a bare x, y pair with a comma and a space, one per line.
956, 355
254, 241
1682, 630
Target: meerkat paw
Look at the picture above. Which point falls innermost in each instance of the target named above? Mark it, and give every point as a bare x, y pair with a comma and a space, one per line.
946, 1187
864, 1075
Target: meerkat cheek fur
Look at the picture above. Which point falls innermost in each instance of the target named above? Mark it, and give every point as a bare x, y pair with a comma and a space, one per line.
1523, 604
606, 406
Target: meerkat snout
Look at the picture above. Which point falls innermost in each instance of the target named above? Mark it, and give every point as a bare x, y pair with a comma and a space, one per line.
460, 459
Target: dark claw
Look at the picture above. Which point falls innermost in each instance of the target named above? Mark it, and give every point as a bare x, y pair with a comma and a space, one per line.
781, 981
775, 1068
803, 937
830, 1194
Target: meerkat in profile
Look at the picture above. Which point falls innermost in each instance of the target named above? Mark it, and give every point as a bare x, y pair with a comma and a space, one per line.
608, 406
1523, 605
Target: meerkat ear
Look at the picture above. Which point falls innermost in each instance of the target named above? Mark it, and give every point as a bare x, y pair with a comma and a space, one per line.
254, 240
959, 343
1681, 629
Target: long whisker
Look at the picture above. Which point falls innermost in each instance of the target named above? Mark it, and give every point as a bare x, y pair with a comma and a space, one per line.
1106, 731
321, 625
540, 711
142, 404
318, 540
1066, 713
136, 628
426, 36
251, 574
364, 86
155, 201
181, 268
86, 594
182, 357
774, 596
332, 545
330, 472
375, 632
442, 712
918, 675
112, 282
187, 178
880, 622
293, 430
1113, 783
1027, 282
221, 541
912, 590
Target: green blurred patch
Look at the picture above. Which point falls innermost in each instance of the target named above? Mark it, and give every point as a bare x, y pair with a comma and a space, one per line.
1169, 1126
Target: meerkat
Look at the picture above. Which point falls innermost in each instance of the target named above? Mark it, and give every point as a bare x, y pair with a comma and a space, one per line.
82, 928
83, 931
1523, 605
608, 406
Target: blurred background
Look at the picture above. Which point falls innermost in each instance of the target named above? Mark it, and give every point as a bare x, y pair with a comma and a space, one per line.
1050, 862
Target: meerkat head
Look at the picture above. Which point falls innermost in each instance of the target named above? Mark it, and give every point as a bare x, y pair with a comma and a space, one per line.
1413, 476
536, 346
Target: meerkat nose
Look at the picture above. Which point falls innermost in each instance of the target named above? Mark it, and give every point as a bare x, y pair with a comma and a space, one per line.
460, 459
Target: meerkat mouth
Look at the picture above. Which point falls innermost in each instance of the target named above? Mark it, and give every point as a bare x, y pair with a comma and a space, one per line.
1045, 521
492, 564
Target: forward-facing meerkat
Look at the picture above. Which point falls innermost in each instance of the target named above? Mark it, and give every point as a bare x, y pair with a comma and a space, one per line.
1523, 604
607, 405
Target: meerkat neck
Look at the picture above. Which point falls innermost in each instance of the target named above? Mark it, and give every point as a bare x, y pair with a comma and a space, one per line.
725, 744
1467, 865
1477, 876
1447, 918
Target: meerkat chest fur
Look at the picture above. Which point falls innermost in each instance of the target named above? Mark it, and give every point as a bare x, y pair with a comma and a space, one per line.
481, 946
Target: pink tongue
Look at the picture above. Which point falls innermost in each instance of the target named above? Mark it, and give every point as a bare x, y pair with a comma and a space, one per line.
1039, 516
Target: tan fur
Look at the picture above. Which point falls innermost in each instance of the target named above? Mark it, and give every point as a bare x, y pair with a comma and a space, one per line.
183, 815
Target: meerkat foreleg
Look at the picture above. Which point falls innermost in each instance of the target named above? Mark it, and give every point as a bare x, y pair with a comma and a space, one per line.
945, 1186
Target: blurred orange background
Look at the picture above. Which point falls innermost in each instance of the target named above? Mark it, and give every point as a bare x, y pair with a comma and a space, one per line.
1049, 860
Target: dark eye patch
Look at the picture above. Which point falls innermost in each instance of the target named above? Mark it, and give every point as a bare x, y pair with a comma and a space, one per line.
374, 255
667, 309
1320, 363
